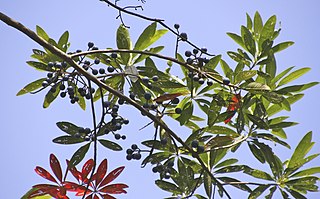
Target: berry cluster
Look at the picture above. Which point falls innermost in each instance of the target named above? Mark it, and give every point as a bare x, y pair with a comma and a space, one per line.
164, 169
133, 153
199, 148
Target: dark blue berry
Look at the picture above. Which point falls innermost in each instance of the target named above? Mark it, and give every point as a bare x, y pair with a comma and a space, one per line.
147, 96
129, 151
155, 78
102, 71
97, 61
145, 80
94, 71
110, 69
178, 110
164, 141
137, 156
187, 53
226, 81
184, 36
106, 104
175, 101
209, 82
195, 51
117, 136
90, 44
114, 55
134, 146
194, 143
176, 26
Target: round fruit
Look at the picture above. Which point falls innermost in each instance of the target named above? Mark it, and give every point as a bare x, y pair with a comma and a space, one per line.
178, 110
49, 75
147, 96
118, 126
195, 51
129, 151
176, 26
123, 137
110, 69
121, 101
97, 61
102, 71
62, 87
95, 48
167, 175
189, 61
63, 94
50, 64
125, 121
117, 136
134, 146
90, 44
175, 101
209, 82
184, 36
155, 78
204, 50
106, 104
114, 55
187, 53
129, 157
145, 80
155, 169
137, 156
200, 149
132, 96
94, 71
196, 78
226, 81
194, 143
201, 81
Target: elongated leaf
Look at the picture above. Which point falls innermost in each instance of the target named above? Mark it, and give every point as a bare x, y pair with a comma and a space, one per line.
186, 114
144, 39
45, 174
306, 172
67, 140
220, 130
41, 33
258, 121
267, 30
237, 39
40, 66
271, 66
68, 127
110, 145
282, 125
50, 96
213, 112
78, 156
257, 153
101, 171
213, 62
227, 162
294, 75
271, 192
219, 141
258, 173
63, 41
55, 167
31, 87
273, 97
226, 69
296, 88
207, 184
245, 75
32, 190
240, 186
301, 150
258, 24
111, 176
277, 108
258, 191
167, 186
152, 50
248, 40
281, 46
256, 87
124, 42
280, 75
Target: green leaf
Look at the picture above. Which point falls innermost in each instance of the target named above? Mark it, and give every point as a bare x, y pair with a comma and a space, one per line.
245, 75
237, 39
26, 196
213, 112
280, 133
207, 184
220, 130
271, 192
63, 41
50, 96
124, 42
257, 173
248, 40
66, 139
282, 125
41, 33
31, 87
258, 24
152, 50
257, 152
240, 186
306, 172
144, 39
168, 186
249, 22
279, 76
231, 169
273, 97
40, 66
271, 66
258, 121
186, 114
267, 30
301, 150
258, 191
213, 62
296, 88
310, 180
78, 156
110, 145
227, 162
226, 69
256, 87
296, 194
281, 46
270, 137
294, 75
68, 127
277, 108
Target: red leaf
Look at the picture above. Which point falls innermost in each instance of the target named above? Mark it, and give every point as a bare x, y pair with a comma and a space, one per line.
114, 189
229, 118
168, 96
87, 168
45, 174
234, 104
95, 197
71, 186
74, 172
89, 196
55, 167
111, 176
107, 196
101, 171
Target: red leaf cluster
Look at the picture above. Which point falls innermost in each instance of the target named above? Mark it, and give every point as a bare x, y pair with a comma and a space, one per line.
233, 106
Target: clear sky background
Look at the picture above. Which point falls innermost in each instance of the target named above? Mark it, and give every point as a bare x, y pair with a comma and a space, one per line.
27, 129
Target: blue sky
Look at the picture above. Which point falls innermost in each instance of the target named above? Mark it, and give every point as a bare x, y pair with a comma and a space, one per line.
27, 129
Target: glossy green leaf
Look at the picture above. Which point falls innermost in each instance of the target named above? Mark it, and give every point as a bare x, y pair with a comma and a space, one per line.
296, 88
26, 196
65, 139
78, 156
68, 127
273, 97
124, 42
63, 41
219, 141
258, 121
249, 22
258, 191
294, 75
237, 39
144, 39
213, 112
110, 145
303, 181
213, 62
227, 162
245, 75
296, 194
271, 137
281, 46
41, 33
231, 169
256, 87
40, 66
280, 75
226, 69
280, 133
186, 114
257, 153
306, 172
50, 96
248, 40
267, 30
207, 184
240, 186
31, 87
257, 174
282, 125
277, 108
258, 24
301, 150
220, 130
167, 186
271, 66
152, 50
